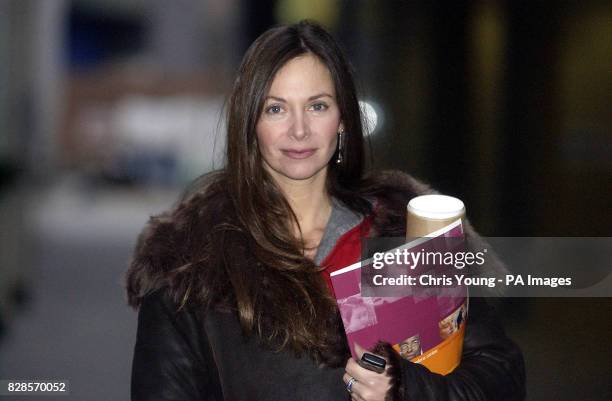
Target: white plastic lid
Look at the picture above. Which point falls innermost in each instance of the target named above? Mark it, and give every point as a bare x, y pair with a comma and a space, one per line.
436, 206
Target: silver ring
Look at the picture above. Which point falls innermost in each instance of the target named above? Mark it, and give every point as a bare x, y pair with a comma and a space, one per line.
349, 385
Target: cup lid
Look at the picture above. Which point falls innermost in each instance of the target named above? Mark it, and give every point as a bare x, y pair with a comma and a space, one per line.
436, 206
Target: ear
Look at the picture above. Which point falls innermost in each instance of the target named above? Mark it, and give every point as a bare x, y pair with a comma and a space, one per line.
341, 127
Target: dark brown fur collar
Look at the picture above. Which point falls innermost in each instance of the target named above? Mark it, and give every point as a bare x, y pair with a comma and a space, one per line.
174, 239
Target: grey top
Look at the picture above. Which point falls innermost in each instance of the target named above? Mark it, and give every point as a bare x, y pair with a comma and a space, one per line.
341, 220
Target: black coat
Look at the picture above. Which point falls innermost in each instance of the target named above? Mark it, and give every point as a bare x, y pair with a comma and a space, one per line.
191, 354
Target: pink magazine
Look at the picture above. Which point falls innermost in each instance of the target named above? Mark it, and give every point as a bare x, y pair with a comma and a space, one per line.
423, 326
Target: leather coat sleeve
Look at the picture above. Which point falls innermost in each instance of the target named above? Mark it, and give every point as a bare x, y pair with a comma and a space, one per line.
171, 362
491, 367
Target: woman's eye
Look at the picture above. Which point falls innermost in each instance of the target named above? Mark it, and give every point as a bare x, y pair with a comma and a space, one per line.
319, 107
274, 109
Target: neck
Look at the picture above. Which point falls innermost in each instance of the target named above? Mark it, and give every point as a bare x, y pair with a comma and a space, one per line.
308, 199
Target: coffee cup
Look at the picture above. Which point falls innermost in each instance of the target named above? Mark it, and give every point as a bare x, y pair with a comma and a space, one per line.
428, 213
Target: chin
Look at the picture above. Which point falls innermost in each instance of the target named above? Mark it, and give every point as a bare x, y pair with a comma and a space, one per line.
300, 174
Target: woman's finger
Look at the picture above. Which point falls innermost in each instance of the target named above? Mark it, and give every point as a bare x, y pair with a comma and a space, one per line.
360, 373
346, 378
368, 384
356, 391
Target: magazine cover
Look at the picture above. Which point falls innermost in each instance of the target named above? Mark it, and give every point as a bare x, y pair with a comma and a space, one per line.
426, 325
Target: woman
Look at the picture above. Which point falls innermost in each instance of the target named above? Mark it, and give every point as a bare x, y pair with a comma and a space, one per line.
233, 283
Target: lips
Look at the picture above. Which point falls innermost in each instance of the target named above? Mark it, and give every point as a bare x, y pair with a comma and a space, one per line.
298, 153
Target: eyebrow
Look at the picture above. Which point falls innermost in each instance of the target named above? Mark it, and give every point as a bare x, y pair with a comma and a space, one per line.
320, 95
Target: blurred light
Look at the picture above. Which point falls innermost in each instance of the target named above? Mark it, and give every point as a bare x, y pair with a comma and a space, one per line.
371, 116
325, 12
175, 134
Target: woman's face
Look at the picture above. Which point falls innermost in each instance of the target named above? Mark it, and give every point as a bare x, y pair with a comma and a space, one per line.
298, 128
411, 347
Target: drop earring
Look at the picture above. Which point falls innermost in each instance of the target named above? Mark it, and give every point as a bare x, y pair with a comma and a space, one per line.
339, 158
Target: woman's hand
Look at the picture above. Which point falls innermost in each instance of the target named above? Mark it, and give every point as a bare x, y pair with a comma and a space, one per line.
368, 385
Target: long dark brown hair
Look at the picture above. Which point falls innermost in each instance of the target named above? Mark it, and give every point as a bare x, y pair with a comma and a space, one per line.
251, 252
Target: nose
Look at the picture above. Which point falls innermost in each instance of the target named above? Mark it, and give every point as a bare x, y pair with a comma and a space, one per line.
300, 128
